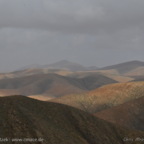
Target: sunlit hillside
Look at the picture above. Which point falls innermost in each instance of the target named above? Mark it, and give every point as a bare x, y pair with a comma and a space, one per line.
105, 96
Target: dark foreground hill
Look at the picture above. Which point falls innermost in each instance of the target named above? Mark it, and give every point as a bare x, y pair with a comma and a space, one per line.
129, 114
53, 84
22, 117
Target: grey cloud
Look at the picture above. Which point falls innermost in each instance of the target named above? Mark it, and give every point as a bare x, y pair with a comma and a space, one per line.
92, 32
81, 16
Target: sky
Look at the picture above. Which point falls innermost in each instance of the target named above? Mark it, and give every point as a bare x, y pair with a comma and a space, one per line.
89, 32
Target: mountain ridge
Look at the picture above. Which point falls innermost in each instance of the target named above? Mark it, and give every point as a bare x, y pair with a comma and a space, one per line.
125, 67
53, 84
63, 64
22, 117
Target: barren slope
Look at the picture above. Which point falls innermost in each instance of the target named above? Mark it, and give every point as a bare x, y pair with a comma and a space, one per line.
130, 114
53, 84
104, 97
48, 84
112, 74
22, 117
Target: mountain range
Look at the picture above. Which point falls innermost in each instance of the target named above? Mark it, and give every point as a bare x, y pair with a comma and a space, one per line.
121, 72
53, 85
76, 104
125, 67
63, 64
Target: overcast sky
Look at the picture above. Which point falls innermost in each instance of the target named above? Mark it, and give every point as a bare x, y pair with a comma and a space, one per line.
89, 32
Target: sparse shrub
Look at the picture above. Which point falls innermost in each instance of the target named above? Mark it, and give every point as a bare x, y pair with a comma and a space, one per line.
86, 102
93, 103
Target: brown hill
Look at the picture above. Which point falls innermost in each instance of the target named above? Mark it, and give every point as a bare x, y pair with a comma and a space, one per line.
58, 68
35, 71
94, 81
120, 72
130, 114
104, 97
112, 74
32, 121
53, 84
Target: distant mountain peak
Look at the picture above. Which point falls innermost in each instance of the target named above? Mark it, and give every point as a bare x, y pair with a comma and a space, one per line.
65, 62
62, 64
72, 66
134, 62
125, 66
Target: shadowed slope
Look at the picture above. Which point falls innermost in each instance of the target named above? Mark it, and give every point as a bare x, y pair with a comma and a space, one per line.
130, 114
47, 84
53, 85
22, 117
94, 81
112, 74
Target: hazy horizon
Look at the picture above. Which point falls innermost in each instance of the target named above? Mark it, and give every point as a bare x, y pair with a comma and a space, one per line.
27, 65
92, 33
